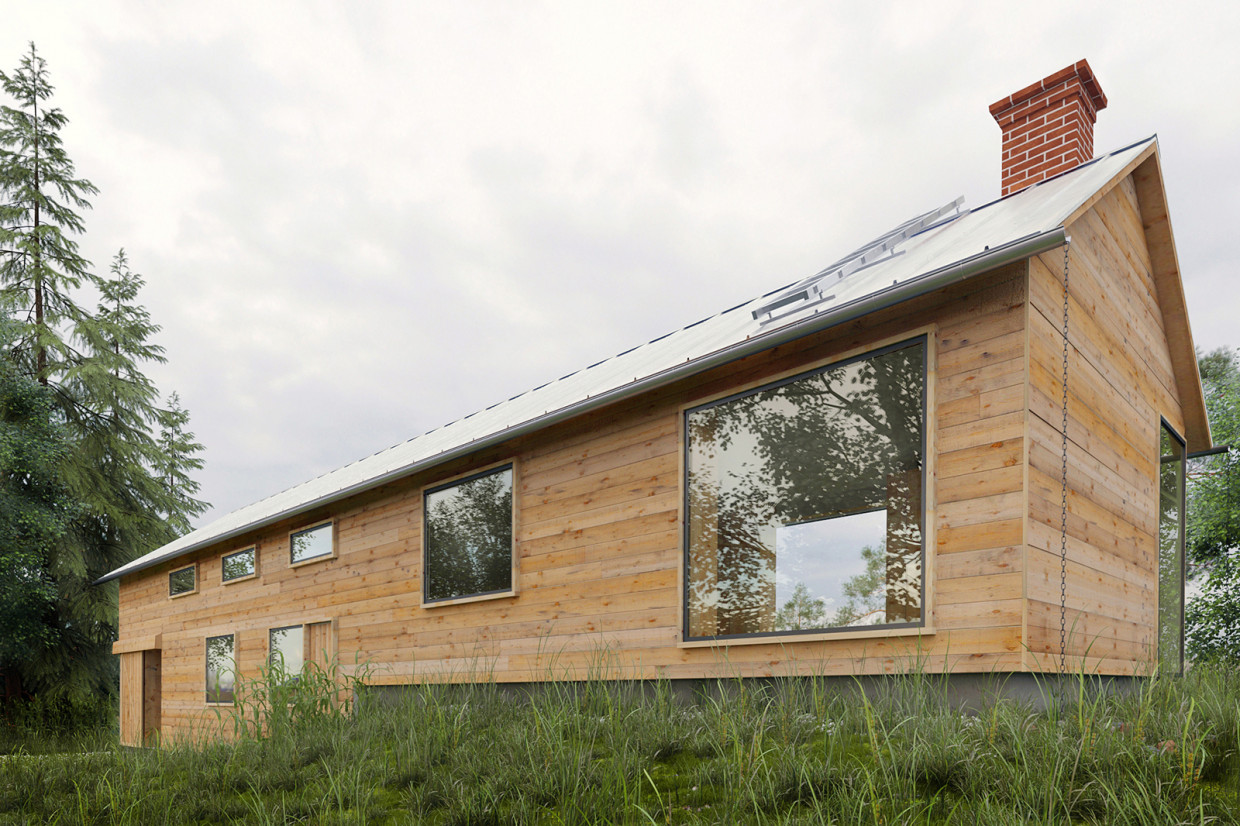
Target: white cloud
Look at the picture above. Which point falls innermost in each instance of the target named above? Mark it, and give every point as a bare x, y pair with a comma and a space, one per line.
360, 221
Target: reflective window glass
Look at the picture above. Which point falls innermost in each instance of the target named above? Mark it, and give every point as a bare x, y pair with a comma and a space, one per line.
239, 565
311, 543
286, 652
468, 528
183, 581
221, 669
804, 501
1171, 552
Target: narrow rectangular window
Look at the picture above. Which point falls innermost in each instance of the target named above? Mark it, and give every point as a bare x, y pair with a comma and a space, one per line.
1171, 474
221, 668
239, 565
467, 526
804, 501
183, 581
286, 652
312, 543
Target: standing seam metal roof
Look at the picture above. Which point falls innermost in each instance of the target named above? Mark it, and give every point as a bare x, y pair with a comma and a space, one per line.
1018, 225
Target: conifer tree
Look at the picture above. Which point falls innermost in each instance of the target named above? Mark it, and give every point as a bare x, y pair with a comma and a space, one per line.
35, 512
115, 495
39, 198
176, 458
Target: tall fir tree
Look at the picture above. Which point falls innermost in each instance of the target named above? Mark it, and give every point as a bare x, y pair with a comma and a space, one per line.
114, 474
35, 513
176, 458
40, 200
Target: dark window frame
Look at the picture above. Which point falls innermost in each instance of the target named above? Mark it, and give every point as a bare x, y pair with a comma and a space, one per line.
225, 578
330, 554
206, 651
511, 590
291, 675
193, 566
924, 340
1166, 426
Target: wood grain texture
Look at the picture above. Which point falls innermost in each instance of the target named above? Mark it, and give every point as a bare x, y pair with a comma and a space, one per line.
1122, 378
598, 541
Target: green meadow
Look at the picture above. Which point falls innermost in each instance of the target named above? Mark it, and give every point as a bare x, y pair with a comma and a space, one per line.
803, 751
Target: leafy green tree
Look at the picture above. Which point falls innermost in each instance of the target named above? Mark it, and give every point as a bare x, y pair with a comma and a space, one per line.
867, 591
802, 610
1212, 615
40, 194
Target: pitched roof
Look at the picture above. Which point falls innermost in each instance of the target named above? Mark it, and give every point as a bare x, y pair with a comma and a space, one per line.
923, 254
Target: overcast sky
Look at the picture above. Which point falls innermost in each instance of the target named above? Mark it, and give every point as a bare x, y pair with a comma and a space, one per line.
359, 221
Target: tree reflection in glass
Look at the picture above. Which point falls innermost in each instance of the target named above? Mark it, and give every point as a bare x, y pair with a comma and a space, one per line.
238, 565
1171, 553
286, 653
221, 669
311, 543
468, 528
805, 503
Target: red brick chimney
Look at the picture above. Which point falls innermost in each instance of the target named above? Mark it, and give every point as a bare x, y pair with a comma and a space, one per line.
1048, 127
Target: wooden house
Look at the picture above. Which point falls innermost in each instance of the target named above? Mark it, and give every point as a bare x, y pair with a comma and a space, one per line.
859, 471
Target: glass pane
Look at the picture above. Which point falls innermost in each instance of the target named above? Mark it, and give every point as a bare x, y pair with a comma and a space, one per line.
221, 669
286, 653
805, 501
311, 543
239, 564
469, 537
181, 582
1171, 553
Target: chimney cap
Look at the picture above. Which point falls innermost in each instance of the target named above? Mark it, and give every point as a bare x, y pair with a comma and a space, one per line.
1080, 70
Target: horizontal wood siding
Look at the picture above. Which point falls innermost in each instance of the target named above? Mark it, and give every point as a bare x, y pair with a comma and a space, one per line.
1120, 381
599, 542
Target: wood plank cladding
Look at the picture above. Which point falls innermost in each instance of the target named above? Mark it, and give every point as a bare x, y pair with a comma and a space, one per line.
599, 547
1121, 381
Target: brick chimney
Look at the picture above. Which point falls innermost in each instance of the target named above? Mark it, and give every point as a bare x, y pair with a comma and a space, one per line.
1048, 128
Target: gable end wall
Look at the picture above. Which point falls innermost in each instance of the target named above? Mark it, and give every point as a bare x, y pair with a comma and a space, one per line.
1120, 382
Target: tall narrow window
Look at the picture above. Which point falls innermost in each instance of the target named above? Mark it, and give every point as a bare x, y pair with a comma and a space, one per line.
804, 501
1171, 472
468, 537
286, 652
221, 668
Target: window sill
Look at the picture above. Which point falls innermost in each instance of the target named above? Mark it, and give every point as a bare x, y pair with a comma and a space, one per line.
186, 594
310, 561
787, 639
439, 603
228, 704
251, 576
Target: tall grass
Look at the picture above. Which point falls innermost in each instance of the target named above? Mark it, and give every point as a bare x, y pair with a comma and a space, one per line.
594, 752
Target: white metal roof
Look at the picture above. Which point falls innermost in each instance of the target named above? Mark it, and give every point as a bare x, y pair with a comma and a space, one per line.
1015, 224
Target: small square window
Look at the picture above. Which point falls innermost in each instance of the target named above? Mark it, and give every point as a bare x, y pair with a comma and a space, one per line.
183, 581
239, 565
468, 530
312, 543
221, 668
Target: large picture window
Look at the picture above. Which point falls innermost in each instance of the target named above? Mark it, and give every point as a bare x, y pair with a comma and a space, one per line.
286, 652
1171, 469
468, 537
805, 504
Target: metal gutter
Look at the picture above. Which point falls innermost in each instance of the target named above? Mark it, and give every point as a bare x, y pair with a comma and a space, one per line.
928, 282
